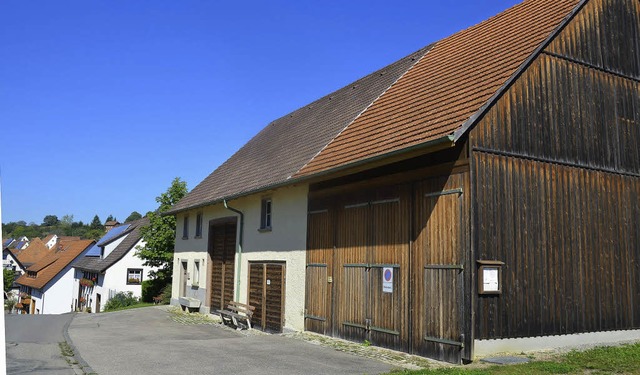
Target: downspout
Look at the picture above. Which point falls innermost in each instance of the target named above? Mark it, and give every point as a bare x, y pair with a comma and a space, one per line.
239, 251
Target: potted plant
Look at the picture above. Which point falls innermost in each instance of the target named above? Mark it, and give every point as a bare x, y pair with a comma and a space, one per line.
87, 282
25, 298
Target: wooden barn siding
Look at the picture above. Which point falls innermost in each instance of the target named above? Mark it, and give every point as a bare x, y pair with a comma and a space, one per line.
556, 175
571, 254
355, 232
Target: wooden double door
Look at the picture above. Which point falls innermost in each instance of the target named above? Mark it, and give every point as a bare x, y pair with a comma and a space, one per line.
266, 294
222, 249
385, 266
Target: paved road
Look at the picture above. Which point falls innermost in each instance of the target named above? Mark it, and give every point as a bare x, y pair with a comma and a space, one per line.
148, 341
32, 344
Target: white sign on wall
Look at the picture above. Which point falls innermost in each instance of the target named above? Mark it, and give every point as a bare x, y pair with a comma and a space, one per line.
490, 279
387, 280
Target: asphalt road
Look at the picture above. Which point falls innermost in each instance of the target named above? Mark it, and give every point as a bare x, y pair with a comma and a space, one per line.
33, 344
148, 341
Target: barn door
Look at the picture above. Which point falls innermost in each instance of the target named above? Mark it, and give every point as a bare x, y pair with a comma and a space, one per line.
266, 294
439, 293
351, 273
318, 294
371, 249
388, 281
222, 247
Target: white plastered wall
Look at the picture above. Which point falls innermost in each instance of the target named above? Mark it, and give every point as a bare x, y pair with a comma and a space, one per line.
115, 278
286, 242
57, 296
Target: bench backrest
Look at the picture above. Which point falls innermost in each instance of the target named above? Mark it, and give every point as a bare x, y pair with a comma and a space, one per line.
241, 308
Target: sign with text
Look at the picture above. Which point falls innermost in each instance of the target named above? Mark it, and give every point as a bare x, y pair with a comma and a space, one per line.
387, 280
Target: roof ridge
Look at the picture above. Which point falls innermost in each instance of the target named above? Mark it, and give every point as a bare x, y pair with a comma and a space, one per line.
426, 50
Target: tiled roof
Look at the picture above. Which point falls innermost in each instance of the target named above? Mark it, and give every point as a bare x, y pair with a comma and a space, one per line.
288, 143
447, 86
48, 267
48, 238
32, 254
436, 97
132, 238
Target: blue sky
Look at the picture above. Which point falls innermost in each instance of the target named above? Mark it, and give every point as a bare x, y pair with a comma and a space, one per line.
103, 103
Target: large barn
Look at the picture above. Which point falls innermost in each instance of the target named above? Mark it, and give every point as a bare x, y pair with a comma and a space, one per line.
485, 187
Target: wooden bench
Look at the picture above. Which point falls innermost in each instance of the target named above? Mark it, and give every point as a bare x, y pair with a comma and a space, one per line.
237, 314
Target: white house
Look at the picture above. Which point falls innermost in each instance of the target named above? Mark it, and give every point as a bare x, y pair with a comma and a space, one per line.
111, 267
47, 285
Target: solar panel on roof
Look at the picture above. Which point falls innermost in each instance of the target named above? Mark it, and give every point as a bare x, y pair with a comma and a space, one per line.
95, 249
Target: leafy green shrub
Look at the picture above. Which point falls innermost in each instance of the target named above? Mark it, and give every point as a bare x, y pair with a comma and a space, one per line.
120, 300
166, 294
153, 288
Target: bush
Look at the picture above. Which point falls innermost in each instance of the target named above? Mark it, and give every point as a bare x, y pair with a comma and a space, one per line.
120, 300
153, 288
166, 294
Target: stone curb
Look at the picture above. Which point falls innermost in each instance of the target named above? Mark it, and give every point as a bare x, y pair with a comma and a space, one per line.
83, 367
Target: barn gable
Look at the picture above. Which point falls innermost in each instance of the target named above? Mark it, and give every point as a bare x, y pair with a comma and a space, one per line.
556, 176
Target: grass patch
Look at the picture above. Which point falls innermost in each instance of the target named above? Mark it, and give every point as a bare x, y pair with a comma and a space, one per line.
623, 359
134, 306
67, 353
620, 359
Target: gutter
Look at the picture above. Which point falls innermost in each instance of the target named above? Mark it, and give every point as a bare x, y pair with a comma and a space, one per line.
239, 249
448, 140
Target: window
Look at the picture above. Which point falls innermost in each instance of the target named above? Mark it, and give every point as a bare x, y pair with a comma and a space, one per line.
196, 273
134, 276
265, 215
185, 228
199, 225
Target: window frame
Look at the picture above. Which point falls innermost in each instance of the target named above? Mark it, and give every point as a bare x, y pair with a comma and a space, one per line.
198, 225
195, 280
129, 270
266, 215
185, 227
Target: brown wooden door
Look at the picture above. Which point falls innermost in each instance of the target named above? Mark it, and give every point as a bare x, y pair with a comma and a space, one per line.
266, 294
351, 275
98, 302
319, 277
222, 247
439, 286
389, 251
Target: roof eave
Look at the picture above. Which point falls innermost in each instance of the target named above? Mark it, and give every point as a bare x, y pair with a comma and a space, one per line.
437, 144
471, 121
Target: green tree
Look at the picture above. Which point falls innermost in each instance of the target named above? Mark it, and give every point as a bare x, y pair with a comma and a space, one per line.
135, 215
50, 220
96, 223
159, 235
92, 234
9, 277
110, 218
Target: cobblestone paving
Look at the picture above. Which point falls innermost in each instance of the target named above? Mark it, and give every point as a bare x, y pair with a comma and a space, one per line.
392, 357
179, 316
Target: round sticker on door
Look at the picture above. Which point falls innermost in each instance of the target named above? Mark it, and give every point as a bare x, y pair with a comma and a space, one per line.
388, 275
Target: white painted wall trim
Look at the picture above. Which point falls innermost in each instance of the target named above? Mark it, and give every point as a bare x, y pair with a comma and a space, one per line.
484, 348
